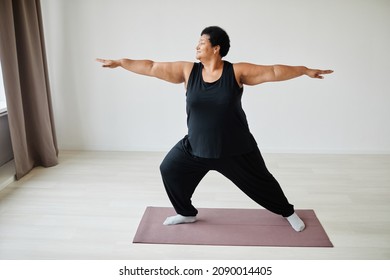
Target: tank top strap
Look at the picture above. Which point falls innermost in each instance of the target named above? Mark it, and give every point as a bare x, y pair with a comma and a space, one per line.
196, 75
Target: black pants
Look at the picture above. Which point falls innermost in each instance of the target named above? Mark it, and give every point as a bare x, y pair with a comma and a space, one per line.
181, 173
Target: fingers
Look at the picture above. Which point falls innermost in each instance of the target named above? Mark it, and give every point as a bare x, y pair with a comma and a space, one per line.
327, 72
318, 74
105, 62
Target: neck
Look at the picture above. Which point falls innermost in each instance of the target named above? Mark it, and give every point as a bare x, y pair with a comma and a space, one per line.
212, 64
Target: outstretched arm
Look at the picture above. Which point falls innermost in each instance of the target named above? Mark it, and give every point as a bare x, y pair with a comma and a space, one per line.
252, 74
174, 72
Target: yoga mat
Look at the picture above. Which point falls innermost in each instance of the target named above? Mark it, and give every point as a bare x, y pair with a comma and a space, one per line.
231, 227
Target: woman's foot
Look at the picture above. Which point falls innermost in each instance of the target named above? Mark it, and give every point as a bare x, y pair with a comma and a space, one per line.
179, 219
296, 222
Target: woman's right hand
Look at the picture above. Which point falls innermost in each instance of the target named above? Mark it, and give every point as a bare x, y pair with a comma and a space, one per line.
109, 63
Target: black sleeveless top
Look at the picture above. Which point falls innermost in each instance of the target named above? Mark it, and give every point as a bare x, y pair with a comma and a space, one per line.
217, 124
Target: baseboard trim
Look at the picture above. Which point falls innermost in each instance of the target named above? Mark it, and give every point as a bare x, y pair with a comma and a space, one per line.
7, 174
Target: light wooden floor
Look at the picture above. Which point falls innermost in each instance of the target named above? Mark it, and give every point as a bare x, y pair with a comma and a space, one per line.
89, 207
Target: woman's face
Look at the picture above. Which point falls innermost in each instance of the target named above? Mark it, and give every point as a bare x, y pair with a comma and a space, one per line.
204, 48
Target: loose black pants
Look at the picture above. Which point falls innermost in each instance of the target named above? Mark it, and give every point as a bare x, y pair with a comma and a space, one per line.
181, 173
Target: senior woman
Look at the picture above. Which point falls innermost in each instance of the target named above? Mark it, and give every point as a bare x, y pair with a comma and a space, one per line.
218, 133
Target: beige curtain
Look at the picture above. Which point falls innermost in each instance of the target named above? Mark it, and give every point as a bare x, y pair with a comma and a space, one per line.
23, 59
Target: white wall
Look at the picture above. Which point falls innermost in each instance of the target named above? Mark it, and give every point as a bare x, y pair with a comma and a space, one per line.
104, 109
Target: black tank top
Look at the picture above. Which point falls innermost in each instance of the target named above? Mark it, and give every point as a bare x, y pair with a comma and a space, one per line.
217, 124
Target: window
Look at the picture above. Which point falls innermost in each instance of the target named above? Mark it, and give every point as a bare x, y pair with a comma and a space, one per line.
3, 104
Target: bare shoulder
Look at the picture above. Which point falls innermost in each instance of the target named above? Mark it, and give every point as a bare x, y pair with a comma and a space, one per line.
187, 66
178, 65
243, 66
184, 67
175, 72
240, 70
252, 74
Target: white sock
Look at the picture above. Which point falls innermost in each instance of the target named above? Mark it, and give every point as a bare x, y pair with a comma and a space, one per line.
296, 222
179, 219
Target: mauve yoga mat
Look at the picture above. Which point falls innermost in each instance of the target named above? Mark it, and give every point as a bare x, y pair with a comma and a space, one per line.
231, 227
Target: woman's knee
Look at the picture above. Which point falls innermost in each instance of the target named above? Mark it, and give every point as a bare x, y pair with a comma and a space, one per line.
168, 163
165, 167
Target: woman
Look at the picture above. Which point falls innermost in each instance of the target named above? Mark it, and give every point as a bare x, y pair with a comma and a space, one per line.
218, 134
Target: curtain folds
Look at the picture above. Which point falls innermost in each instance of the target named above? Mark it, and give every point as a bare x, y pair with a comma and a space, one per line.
26, 82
